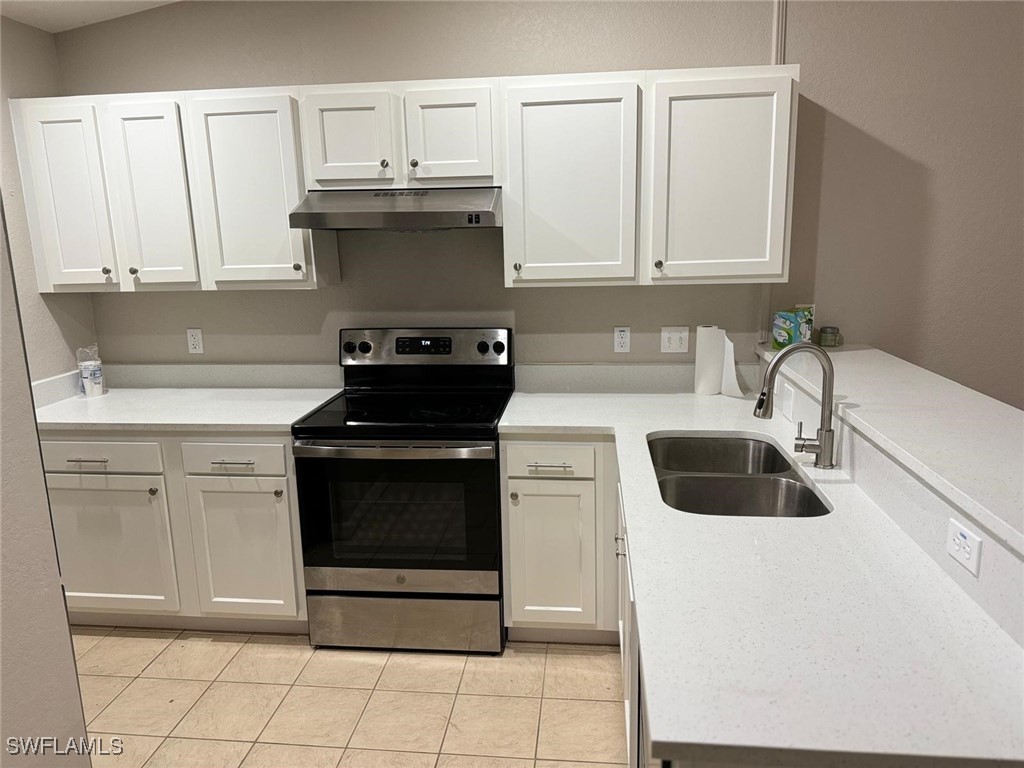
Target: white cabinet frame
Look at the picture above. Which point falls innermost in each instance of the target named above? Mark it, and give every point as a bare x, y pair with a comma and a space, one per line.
432, 163
318, 110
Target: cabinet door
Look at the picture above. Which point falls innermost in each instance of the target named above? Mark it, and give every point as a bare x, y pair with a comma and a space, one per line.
348, 137
247, 180
152, 214
569, 205
552, 530
448, 133
68, 203
721, 169
114, 541
241, 535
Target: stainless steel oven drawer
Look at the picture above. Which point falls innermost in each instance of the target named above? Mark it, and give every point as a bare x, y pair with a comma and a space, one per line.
405, 622
401, 580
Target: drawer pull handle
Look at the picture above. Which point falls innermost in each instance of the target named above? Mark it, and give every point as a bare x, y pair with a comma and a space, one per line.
228, 463
154, 491
547, 465
78, 460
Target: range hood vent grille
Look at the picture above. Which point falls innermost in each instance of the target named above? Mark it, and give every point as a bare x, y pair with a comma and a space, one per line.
399, 209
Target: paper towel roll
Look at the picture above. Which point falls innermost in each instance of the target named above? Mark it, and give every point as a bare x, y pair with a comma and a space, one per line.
710, 358
730, 385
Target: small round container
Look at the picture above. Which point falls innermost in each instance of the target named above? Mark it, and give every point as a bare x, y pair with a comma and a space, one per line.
829, 336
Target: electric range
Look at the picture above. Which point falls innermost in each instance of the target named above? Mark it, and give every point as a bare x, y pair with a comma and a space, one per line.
399, 492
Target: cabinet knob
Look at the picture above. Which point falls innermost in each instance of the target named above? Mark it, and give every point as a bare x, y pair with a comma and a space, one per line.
133, 270
384, 162
659, 264
154, 491
414, 162
517, 267
297, 267
278, 493
619, 538
514, 496
106, 270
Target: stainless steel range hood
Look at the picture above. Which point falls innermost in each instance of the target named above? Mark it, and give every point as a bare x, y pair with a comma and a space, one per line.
414, 209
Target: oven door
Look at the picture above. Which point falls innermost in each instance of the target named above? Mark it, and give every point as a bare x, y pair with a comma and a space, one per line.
399, 517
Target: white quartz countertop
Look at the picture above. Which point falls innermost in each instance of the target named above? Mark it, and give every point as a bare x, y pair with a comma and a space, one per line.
966, 445
814, 642
235, 409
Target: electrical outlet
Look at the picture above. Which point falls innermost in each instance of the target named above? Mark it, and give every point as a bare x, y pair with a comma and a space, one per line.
194, 337
620, 342
963, 546
675, 339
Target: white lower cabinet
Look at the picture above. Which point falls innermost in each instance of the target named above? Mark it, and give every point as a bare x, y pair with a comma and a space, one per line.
552, 530
113, 537
241, 537
193, 528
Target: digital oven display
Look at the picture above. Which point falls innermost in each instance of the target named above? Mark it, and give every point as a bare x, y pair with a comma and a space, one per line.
423, 345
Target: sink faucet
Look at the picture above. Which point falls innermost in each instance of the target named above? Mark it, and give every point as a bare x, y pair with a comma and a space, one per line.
823, 445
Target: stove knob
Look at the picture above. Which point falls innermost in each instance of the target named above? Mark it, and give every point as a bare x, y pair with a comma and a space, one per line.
482, 347
365, 347
349, 347
499, 347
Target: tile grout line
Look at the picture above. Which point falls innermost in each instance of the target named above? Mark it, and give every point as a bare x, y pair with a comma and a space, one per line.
219, 673
455, 698
540, 709
365, 705
286, 693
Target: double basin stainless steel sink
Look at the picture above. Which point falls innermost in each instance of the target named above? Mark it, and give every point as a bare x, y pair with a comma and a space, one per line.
731, 476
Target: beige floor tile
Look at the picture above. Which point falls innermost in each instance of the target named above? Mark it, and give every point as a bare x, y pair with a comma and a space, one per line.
583, 673
403, 721
198, 753
231, 711
195, 656
475, 761
587, 731
149, 707
269, 659
135, 750
427, 672
84, 638
564, 764
343, 669
499, 726
365, 758
319, 717
124, 652
287, 756
98, 691
519, 671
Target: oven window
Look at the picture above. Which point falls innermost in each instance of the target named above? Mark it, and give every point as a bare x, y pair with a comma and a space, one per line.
407, 520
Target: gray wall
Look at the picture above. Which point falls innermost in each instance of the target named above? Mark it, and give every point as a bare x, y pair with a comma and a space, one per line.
906, 226
40, 687
55, 326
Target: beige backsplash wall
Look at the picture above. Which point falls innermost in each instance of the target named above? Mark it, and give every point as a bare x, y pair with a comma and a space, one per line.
55, 326
906, 231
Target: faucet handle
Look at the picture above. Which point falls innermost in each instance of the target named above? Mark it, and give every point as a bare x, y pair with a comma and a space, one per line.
799, 430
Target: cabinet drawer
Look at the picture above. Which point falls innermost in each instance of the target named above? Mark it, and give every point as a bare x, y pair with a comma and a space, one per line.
550, 460
233, 459
102, 457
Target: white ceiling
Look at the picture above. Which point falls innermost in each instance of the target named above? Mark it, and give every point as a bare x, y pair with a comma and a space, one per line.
61, 15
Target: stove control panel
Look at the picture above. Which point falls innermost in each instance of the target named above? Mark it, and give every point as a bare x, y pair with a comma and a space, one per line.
427, 346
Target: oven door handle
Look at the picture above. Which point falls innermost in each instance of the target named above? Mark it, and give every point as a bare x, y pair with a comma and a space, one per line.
412, 452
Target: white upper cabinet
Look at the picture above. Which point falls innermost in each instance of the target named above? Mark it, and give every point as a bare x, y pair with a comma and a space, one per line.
405, 134
65, 193
348, 137
448, 133
719, 175
247, 179
150, 207
570, 198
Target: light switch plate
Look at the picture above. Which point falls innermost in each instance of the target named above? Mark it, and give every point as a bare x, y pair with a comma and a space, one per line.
963, 546
675, 339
